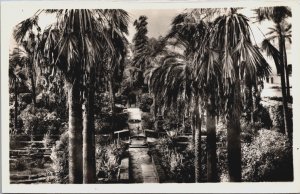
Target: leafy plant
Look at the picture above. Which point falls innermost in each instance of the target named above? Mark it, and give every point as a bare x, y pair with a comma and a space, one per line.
276, 112
107, 160
268, 158
178, 164
38, 121
59, 157
146, 102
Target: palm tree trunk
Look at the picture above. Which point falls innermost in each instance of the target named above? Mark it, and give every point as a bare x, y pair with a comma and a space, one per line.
283, 83
252, 106
89, 163
285, 106
197, 143
75, 133
193, 125
288, 94
16, 106
286, 69
211, 147
112, 94
233, 136
33, 93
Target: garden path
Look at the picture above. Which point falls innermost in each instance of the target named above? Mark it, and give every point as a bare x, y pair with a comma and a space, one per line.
142, 170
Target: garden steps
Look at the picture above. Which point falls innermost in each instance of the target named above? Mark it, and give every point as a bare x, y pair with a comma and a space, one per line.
138, 146
29, 179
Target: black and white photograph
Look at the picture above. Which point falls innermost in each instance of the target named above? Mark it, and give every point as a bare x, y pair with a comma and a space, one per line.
168, 94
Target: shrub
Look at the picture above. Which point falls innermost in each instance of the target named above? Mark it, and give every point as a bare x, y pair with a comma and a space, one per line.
267, 158
263, 117
178, 164
37, 121
146, 102
107, 123
107, 160
249, 130
147, 121
102, 103
59, 157
276, 116
266, 154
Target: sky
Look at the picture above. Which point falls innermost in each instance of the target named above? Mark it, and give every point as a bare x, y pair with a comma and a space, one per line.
159, 21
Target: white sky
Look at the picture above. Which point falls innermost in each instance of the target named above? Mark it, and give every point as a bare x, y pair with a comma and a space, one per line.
159, 21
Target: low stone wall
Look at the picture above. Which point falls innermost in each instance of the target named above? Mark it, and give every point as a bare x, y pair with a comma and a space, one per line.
160, 173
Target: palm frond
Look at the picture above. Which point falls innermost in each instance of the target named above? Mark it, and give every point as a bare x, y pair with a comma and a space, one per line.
271, 51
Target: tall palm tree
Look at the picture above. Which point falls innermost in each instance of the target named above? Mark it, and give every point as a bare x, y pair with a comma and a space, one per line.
118, 28
230, 35
197, 137
16, 77
209, 82
189, 31
74, 44
185, 33
88, 149
27, 34
223, 56
141, 54
171, 84
281, 32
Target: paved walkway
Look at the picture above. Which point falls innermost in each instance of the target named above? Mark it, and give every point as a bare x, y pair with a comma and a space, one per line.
142, 170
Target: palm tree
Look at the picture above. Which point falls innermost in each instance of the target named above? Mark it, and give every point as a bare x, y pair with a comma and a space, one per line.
198, 149
74, 44
27, 34
230, 35
88, 149
141, 54
171, 84
118, 28
16, 77
222, 56
208, 76
281, 32
189, 31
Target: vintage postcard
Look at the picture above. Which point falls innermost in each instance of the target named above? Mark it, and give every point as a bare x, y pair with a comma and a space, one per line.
155, 97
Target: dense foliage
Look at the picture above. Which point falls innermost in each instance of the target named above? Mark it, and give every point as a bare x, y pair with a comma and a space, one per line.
59, 158
108, 159
268, 157
177, 162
